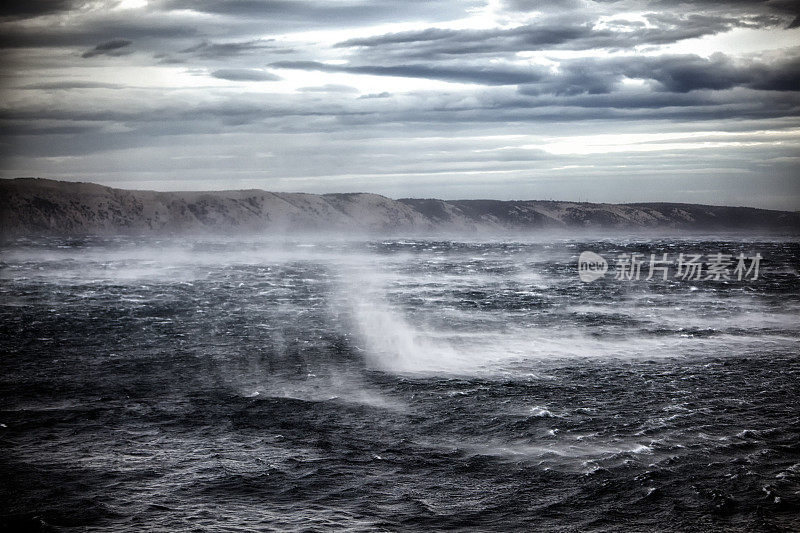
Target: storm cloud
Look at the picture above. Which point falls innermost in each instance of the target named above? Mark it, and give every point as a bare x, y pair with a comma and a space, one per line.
244, 74
115, 47
509, 99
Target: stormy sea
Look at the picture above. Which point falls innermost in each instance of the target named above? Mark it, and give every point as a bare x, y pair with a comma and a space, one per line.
214, 384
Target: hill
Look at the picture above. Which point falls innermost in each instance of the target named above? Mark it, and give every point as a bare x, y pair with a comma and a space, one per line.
32, 206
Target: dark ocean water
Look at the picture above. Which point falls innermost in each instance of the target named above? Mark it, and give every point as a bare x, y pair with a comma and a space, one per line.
213, 385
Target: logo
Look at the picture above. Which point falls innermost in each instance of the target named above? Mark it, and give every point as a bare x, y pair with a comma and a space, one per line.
688, 266
591, 266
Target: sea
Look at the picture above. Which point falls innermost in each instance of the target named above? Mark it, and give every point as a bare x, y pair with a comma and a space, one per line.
367, 384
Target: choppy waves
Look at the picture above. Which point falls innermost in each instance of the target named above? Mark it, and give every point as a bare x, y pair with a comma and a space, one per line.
395, 385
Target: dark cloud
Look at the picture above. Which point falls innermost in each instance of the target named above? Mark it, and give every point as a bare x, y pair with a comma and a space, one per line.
38, 129
35, 8
782, 76
559, 33
691, 107
747, 7
482, 74
786, 6
71, 84
684, 73
244, 74
149, 29
672, 73
114, 47
437, 43
527, 105
217, 50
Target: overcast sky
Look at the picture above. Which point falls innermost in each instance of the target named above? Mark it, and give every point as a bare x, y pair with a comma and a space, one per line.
612, 101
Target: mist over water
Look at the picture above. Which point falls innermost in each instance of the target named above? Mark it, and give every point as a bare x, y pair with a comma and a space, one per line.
394, 385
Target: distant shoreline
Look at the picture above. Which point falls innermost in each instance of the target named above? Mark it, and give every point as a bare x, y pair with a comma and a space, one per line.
35, 206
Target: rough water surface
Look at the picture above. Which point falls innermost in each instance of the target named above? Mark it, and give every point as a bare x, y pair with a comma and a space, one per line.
215, 385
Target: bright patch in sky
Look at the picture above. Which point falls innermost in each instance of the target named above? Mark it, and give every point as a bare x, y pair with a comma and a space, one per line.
648, 142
